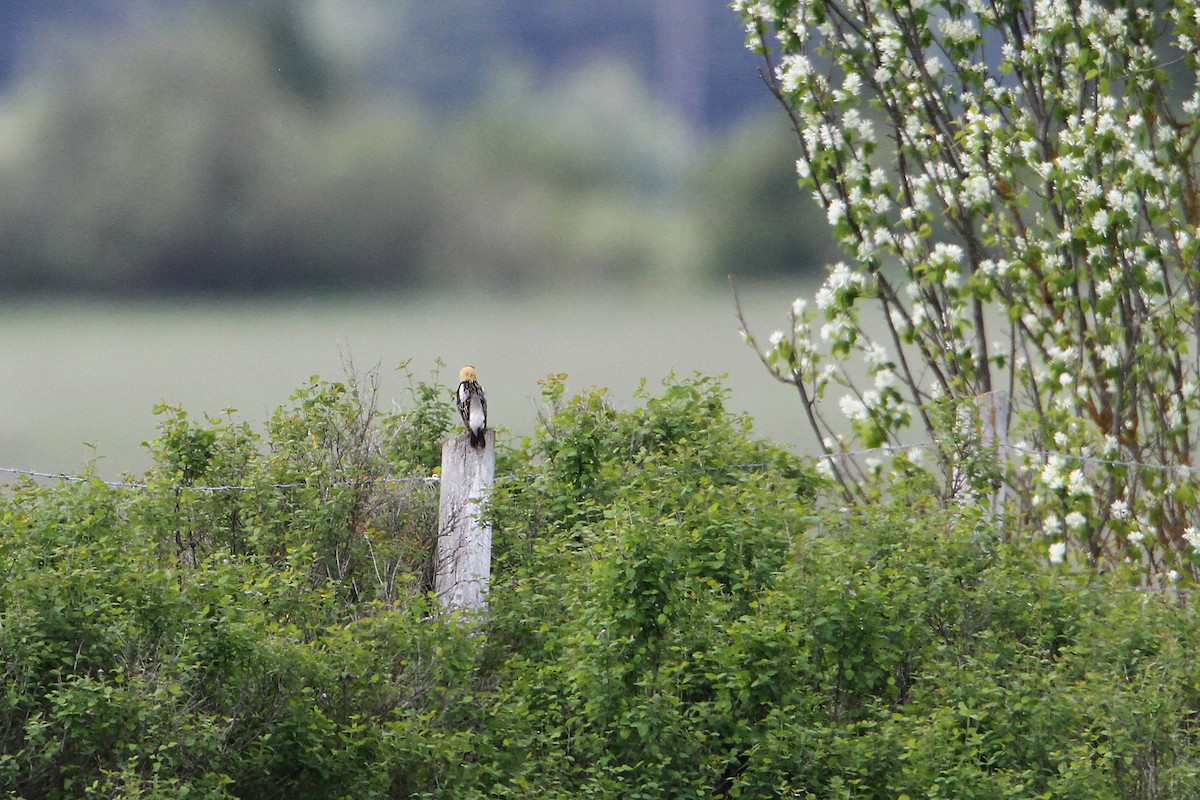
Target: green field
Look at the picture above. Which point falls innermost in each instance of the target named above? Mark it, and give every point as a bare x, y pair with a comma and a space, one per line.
81, 378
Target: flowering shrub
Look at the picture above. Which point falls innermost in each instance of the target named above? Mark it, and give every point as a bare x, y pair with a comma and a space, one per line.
1015, 187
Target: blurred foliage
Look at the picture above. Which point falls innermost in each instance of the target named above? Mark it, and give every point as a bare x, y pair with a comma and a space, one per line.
672, 615
227, 151
759, 223
690, 53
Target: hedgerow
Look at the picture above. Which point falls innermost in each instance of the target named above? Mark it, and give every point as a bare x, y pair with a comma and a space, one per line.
677, 610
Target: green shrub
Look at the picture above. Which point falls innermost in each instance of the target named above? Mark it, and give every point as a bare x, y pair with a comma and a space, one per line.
674, 613
670, 622
195, 635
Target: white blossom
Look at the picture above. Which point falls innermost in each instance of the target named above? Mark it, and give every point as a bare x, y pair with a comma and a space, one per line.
853, 408
958, 29
875, 355
1058, 552
1110, 356
1089, 189
841, 277
836, 211
836, 330
1126, 201
857, 122
793, 69
1077, 484
886, 379
1192, 536
824, 298
977, 190
1052, 476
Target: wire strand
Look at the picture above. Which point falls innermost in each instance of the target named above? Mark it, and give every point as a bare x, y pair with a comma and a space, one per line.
141, 485
429, 480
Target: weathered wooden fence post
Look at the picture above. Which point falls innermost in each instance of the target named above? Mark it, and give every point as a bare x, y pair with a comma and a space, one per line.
993, 438
464, 546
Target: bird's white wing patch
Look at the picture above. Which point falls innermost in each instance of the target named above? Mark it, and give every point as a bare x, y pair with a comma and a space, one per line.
478, 419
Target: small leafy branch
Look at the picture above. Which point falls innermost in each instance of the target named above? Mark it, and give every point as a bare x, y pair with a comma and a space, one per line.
334, 483
1014, 184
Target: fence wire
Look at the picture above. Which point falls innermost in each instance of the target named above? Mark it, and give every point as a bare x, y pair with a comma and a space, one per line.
1039, 453
142, 485
1043, 455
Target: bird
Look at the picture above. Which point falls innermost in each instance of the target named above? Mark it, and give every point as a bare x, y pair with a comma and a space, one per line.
472, 405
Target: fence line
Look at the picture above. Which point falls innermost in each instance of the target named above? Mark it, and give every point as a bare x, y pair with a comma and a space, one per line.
1107, 462
72, 478
887, 448
428, 480
1042, 454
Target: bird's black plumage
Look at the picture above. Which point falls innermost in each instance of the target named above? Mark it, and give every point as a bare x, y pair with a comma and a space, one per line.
472, 406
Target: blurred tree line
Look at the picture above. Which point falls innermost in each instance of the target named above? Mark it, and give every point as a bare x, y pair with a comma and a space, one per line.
254, 147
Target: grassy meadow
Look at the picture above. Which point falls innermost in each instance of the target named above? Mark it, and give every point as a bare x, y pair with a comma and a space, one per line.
82, 377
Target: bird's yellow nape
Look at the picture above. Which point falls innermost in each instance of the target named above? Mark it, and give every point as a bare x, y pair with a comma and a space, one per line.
467, 374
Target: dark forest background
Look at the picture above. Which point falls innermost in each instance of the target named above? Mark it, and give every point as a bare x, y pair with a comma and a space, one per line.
311, 145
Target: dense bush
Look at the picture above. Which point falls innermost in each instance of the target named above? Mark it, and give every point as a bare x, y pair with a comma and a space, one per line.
673, 614
251, 622
687, 627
